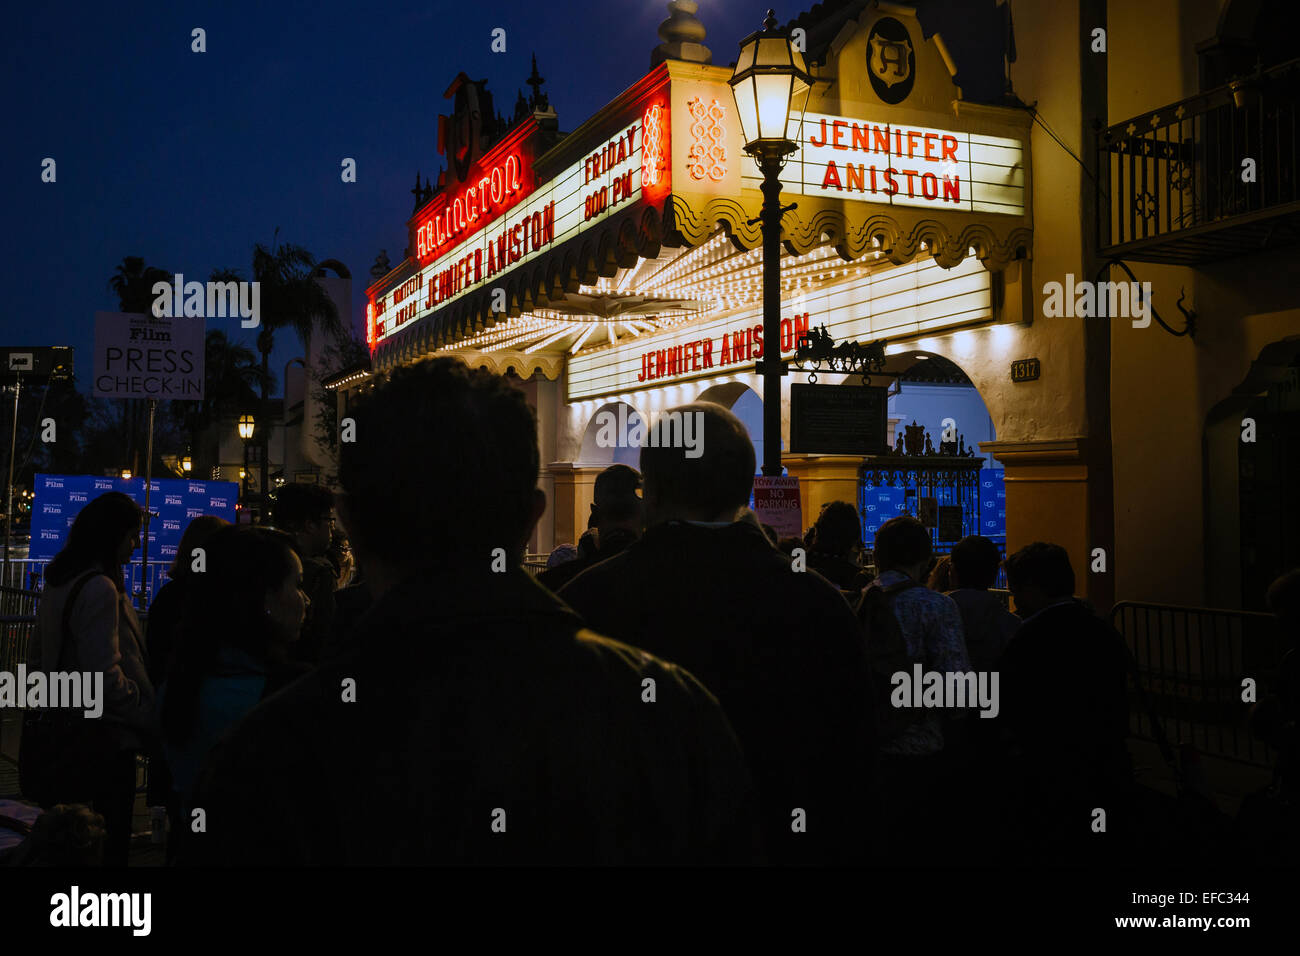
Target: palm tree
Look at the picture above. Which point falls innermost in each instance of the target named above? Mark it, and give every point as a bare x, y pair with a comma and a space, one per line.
232, 379
132, 282
290, 298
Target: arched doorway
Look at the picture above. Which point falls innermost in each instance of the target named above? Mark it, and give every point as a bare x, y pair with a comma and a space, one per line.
746, 405
606, 440
935, 469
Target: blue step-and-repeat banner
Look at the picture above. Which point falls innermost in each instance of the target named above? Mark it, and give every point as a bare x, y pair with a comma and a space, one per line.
879, 504
57, 500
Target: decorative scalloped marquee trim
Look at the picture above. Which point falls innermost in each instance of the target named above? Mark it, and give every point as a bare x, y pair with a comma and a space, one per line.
900, 237
525, 366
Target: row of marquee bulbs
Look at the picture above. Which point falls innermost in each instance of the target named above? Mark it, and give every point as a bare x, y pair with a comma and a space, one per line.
713, 271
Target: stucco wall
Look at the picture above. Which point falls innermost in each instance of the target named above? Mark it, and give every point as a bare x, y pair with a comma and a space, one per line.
1177, 533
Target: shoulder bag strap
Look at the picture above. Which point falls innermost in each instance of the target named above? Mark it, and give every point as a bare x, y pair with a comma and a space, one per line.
65, 631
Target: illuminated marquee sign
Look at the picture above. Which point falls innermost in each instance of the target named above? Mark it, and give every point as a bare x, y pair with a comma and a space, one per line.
613, 156
895, 303
846, 158
737, 345
496, 188
529, 220
655, 149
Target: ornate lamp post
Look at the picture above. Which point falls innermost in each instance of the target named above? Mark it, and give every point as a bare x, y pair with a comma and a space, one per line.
246, 428
763, 84
187, 464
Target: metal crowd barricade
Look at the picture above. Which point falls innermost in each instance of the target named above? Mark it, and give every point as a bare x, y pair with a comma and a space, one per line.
17, 622
17, 625
1191, 662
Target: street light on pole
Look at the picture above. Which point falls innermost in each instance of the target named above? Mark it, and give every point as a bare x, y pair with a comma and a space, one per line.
246, 426
768, 73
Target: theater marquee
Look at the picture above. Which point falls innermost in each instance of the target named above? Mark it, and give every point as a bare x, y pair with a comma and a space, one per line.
502, 220
903, 165
895, 303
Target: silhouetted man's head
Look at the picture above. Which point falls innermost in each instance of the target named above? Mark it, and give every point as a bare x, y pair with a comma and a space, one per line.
306, 512
1038, 575
616, 502
703, 467
975, 561
838, 528
902, 544
443, 469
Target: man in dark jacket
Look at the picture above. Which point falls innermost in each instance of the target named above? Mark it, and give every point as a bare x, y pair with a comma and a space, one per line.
987, 624
473, 719
781, 649
616, 511
1064, 680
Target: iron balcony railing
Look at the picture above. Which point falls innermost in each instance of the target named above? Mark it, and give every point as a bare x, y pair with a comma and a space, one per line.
1210, 177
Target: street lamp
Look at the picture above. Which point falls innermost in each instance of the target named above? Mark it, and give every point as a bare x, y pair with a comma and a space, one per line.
126, 473
764, 82
187, 464
246, 427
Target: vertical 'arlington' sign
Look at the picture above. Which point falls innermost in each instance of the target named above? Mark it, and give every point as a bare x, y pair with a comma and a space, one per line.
141, 356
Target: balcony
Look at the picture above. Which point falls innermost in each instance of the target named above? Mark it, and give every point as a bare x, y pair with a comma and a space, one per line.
1171, 180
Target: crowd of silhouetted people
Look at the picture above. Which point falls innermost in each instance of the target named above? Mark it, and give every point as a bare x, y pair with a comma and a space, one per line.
680, 686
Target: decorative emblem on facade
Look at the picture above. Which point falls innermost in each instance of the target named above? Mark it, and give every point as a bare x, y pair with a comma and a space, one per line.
891, 61
707, 157
652, 146
818, 347
914, 439
459, 134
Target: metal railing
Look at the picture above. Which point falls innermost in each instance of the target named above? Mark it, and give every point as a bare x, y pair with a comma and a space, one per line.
17, 623
1191, 662
17, 628
28, 574
1174, 183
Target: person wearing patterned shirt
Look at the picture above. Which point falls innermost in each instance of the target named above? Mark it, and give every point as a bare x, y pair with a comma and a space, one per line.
930, 622
913, 770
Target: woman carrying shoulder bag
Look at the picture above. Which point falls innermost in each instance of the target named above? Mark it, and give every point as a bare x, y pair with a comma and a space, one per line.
86, 624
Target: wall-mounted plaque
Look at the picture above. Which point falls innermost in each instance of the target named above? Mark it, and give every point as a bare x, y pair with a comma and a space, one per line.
1026, 369
838, 419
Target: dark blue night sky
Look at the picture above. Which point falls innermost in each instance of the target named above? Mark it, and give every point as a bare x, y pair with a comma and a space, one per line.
187, 159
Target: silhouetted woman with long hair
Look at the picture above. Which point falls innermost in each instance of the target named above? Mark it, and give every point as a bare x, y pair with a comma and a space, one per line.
86, 624
244, 610
167, 612
164, 628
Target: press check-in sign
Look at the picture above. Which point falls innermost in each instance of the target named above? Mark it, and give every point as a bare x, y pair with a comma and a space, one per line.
142, 356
